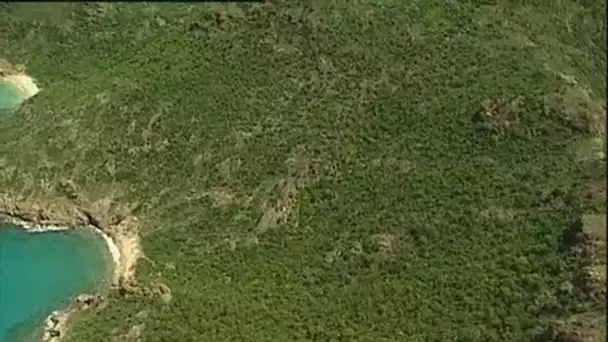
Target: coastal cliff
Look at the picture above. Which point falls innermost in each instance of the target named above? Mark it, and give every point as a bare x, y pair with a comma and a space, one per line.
119, 232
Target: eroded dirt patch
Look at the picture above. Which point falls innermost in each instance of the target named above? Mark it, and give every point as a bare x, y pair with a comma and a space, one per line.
280, 211
280, 196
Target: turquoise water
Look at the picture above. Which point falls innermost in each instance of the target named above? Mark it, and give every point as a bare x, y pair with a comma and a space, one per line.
40, 272
9, 96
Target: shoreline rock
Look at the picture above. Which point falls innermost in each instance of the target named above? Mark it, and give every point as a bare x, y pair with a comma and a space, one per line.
120, 235
55, 325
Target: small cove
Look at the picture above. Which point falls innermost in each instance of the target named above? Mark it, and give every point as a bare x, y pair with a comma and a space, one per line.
41, 272
9, 96
15, 89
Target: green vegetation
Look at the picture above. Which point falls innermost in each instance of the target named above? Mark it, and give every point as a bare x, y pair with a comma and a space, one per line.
320, 170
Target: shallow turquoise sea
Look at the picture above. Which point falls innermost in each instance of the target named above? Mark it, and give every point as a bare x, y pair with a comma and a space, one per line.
40, 272
9, 97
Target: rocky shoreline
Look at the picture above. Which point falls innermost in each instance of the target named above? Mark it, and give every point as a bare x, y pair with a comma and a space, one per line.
120, 234
55, 325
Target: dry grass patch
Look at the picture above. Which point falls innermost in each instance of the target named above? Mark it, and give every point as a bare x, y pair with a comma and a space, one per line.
279, 212
134, 333
592, 149
377, 247
595, 194
384, 246
499, 117
303, 170
228, 167
7, 68
498, 215
588, 327
234, 242
221, 197
384, 243
575, 109
393, 165
345, 251
309, 169
595, 225
587, 286
300, 164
